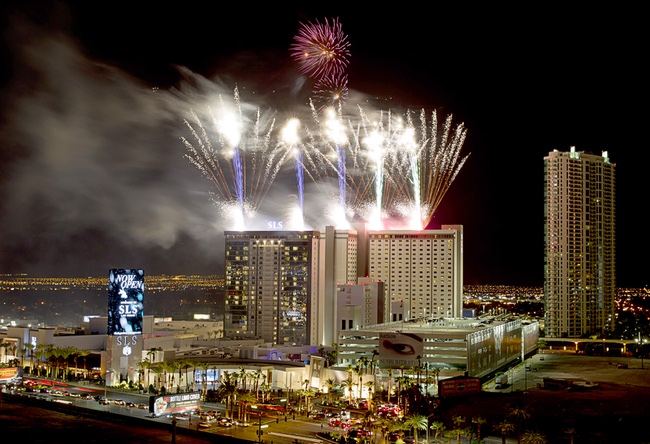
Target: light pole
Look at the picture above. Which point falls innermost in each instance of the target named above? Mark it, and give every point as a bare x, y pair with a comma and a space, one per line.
428, 426
106, 383
640, 344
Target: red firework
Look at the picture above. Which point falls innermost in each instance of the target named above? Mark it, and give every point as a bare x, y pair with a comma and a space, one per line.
321, 49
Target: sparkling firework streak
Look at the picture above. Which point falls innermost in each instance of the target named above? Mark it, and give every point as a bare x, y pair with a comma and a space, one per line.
389, 167
321, 49
290, 137
241, 165
389, 170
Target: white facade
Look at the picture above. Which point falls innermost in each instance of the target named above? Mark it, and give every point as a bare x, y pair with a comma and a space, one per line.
579, 244
421, 269
360, 305
338, 266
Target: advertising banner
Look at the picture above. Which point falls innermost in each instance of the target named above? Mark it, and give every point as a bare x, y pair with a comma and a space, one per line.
179, 403
125, 301
400, 348
8, 374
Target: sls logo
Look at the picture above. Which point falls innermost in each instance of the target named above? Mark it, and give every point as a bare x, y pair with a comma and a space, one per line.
274, 225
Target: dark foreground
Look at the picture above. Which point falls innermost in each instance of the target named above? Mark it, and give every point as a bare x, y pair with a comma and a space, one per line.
30, 424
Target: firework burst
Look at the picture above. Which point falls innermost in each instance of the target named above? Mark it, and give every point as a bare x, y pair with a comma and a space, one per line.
330, 92
321, 49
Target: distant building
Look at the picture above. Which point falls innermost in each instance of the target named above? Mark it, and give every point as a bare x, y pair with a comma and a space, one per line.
579, 244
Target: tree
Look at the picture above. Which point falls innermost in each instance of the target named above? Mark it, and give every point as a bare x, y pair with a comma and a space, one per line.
245, 400
458, 421
529, 437
504, 427
479, 421
519, 416
438, 427
331, 384
416, 422
348, 384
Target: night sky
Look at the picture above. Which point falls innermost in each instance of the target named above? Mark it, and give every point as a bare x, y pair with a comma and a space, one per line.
93, 174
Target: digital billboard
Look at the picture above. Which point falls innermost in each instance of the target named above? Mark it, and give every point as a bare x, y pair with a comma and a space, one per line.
178, 403
125, 301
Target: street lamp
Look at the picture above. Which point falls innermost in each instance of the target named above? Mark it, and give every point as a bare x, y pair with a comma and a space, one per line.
106, 383
259, 424
428, 426
640, 343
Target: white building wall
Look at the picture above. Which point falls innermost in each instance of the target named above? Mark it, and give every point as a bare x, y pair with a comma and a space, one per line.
422, 269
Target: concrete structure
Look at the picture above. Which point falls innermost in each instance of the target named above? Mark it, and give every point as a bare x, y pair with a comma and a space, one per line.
339, 257
579, 244
360, 305
422, 269
444, 347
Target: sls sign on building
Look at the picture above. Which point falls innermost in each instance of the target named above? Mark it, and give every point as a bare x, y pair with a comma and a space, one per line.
125, 317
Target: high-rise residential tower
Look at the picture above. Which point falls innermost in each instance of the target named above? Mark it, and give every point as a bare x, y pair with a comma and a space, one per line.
271, 280
423, 270
579, 244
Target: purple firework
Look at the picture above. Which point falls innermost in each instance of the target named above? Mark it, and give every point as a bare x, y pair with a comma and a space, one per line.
321, 49
330, 91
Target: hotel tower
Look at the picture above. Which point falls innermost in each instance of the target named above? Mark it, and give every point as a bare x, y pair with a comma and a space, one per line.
579, 244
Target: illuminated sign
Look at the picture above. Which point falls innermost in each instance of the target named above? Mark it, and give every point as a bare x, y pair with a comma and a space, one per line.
10, 374
125, 301
275, 225
179, 403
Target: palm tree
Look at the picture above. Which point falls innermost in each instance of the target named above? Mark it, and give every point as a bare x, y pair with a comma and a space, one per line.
370, 385
416, 422
29, 349
331, 384
143, 366
245, 400
479, 421
159, 370
185, 364
84, 354
348, 384
383, 424
533, 438
438, 427
519, 415
458, 420
204, 377
571, 432
504, 427
390, 380
227, 392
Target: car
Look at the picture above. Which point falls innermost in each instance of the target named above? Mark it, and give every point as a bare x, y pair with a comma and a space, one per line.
243, 423
131, 404
358, 433
205, 425
318, 416
541, 358
143, 406
119, 402
225, 422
